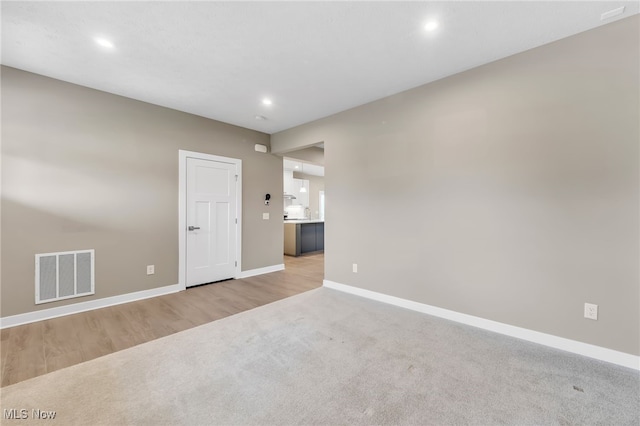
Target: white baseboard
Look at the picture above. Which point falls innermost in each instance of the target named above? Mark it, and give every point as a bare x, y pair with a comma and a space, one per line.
44, 314
260, 271
580, 348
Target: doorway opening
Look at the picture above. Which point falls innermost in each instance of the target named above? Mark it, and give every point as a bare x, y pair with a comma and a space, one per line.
304, 202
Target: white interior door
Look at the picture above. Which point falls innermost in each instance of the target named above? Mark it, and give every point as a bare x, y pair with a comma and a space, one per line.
211, 216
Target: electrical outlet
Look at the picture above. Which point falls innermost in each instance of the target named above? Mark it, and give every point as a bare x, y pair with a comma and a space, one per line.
591, 311
265, 216
355, 268
151, 269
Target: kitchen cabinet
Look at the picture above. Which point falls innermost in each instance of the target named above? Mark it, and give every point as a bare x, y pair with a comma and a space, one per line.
320, 236
288, 183
302, 198
292, 186
307, 237
302, 237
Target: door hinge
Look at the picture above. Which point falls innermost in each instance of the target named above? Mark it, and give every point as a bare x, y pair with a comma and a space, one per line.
236, 263
236, 220
236, 178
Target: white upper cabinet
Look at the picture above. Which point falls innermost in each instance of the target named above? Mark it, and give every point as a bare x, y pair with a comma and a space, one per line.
288, 182
293, 186
302, 197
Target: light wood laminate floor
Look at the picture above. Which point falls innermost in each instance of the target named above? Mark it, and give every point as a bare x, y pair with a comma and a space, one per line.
31, 350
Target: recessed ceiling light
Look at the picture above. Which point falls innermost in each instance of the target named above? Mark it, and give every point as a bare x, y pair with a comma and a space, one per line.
431, 25
260, 117
267, 101
104, 42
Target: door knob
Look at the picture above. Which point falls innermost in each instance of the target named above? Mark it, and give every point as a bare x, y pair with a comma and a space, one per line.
193, 228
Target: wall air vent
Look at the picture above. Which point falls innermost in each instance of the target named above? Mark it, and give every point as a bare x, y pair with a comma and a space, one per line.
64, 275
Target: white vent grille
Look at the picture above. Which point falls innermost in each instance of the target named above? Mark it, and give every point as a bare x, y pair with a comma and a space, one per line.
64, 275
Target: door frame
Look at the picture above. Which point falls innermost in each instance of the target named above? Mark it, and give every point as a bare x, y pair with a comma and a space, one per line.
182, 210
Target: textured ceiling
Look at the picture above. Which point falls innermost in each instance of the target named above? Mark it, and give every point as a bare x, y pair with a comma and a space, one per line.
313, 59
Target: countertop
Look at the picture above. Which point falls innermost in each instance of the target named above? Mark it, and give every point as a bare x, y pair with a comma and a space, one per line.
304, 221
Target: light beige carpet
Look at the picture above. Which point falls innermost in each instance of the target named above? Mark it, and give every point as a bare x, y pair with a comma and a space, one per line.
325, 357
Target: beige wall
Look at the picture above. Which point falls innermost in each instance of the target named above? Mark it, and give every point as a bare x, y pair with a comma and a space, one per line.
85, 169
508, 192
313, 155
